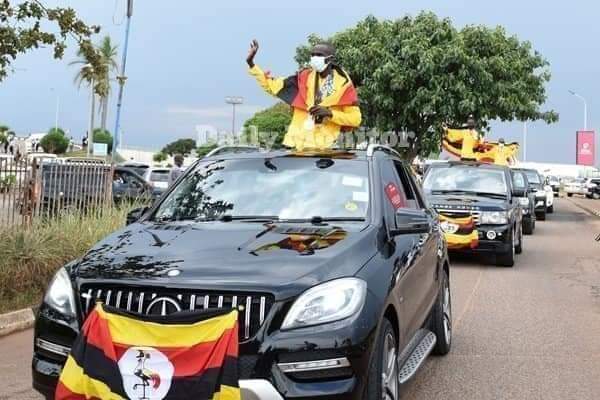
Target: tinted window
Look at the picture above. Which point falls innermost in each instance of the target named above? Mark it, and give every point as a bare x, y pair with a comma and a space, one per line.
533, 177
284, 187
519, 180
466, 179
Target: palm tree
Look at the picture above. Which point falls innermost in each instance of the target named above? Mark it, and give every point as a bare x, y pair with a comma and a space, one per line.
102, 81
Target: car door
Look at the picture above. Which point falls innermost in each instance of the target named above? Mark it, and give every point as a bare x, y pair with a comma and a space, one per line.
410, 289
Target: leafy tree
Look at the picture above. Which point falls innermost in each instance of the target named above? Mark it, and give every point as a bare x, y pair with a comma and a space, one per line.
159, 157
416, 74
4, 133
55, 141
27, 25
103, 136
204, 149
270, 126
180, 146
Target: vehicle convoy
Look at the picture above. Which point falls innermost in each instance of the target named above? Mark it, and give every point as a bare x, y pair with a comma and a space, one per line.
544, 196
479, 208
526, 196
334, 260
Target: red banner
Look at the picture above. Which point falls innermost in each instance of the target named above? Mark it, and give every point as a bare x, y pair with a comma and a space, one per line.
586, 149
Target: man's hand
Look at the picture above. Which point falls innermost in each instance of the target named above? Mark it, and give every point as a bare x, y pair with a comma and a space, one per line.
252, 53
319, 113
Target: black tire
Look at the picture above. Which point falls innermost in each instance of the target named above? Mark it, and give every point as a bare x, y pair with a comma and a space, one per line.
507, 259
550, 210
375, 386
441, 318
596, 196
529, 226
570, 194
541, 215
519, 247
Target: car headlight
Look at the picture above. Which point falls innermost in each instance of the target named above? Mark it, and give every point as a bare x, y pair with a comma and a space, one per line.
60, 294
524, 201
329, 302
494, 217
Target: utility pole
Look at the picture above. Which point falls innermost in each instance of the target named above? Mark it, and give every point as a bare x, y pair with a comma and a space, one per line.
57, 108
585, 113
90, 135
525, 141
234, 101
122, 78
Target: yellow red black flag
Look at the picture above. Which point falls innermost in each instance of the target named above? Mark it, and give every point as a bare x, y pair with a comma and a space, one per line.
119, 355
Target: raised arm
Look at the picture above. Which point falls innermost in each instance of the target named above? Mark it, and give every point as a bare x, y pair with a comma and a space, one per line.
270, 85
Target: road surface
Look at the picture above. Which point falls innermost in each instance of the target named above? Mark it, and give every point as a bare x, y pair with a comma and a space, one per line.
528, 332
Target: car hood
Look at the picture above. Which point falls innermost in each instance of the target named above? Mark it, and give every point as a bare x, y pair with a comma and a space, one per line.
476, 202
283, 259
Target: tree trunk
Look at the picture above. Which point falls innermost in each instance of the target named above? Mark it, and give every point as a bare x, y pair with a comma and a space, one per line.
104, 112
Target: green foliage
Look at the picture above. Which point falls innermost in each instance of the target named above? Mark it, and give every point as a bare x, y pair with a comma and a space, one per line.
7, 182
103, 136
204, 149
415, 74
55, 141
27, 25
159, 157
270, 125
31, 256
180, 146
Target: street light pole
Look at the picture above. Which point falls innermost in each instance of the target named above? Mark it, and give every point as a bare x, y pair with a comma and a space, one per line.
525, 141
57, 108
585, 113
90, 135
234, 101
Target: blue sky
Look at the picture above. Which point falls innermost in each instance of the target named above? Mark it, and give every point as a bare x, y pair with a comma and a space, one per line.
185, 56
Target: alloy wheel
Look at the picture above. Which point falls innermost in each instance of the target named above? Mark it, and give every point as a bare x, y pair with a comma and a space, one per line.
447, 310
389, 370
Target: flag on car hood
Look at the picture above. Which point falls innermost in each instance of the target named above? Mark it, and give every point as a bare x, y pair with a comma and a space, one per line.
119, 355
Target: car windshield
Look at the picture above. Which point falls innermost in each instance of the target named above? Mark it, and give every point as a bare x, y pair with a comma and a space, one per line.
159, 176
281, 187
533, 177
465, 179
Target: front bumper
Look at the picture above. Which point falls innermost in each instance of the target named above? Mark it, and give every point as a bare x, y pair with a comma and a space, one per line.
500, 243
264, 360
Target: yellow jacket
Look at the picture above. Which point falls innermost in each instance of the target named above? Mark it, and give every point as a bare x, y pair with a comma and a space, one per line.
469, 140
299, 92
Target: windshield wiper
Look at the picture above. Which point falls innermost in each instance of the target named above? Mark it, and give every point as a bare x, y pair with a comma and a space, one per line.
320, 220
496, 195
450, 192
249, 218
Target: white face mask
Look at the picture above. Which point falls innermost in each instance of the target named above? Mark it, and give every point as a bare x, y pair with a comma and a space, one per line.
318, 63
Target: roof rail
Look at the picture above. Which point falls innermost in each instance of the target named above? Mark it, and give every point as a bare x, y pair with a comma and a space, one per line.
373, 147
232, 149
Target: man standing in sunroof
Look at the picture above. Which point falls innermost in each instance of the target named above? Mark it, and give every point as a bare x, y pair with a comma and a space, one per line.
323, 98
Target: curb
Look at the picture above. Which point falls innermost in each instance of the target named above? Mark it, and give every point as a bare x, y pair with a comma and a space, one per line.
16, 321
593, 212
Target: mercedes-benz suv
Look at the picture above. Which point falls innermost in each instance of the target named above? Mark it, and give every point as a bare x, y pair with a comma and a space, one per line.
333, 259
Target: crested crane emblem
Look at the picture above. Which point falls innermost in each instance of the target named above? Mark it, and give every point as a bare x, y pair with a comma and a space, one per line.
146, 372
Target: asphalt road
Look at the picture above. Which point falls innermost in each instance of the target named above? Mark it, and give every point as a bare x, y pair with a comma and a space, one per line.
528, 332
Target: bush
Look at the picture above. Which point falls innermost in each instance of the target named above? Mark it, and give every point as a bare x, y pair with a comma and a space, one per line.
29, 257
180, 146
55, 141
159, 157
103, 136
7, 183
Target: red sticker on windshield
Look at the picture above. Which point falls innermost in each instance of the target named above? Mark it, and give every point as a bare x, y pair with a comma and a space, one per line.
394, 196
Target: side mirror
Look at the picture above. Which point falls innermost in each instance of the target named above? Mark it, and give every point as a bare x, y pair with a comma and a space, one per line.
135, 214
519, 192
410, 221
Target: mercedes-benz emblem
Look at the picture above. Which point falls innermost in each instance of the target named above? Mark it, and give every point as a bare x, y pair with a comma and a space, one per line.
163, 306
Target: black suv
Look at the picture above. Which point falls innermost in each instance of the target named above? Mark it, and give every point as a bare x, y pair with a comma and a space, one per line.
536, 183
479, 209
526, 196
336, 263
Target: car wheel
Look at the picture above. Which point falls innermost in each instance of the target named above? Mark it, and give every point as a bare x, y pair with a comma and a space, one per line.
550, 209
507, 259
541, 215
528, 226
383, 374
596, 196
441, 318
519, 246
570, 194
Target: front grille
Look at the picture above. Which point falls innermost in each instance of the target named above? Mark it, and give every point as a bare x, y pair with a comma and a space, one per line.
459, 212
253, 307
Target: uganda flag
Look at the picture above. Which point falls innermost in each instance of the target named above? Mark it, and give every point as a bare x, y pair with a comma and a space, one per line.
119, 355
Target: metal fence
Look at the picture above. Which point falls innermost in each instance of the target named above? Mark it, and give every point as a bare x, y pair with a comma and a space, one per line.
46, 188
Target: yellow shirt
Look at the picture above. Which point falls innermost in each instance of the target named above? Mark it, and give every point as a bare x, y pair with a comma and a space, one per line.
303, 133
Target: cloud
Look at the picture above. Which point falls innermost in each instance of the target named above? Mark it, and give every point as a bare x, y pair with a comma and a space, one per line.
213, 112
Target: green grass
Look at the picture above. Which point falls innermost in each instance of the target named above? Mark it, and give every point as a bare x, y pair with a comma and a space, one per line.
30, 257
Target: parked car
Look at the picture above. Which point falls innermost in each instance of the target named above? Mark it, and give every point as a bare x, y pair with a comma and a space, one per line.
137, 167
593, 188
526, 197
575, 186
479, 208
554, 183
336, 259
127, 186
544, 196
158, 178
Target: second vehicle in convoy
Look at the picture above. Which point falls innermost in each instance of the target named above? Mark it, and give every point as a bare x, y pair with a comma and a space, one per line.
544, 195
480, 211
